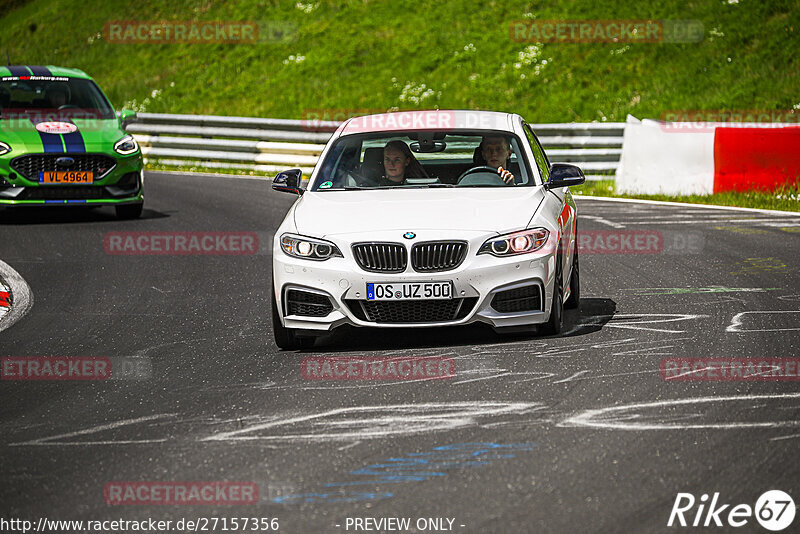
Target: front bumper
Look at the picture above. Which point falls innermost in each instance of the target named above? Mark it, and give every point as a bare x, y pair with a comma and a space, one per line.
124, 184
477, 281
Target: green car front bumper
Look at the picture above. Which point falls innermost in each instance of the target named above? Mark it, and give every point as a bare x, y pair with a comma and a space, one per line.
117, 179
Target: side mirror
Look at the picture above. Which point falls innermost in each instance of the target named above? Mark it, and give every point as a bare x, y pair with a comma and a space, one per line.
564, 175
289, 182
126, 116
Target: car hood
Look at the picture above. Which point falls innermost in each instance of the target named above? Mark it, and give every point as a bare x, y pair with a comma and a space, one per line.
97, 135
485, 209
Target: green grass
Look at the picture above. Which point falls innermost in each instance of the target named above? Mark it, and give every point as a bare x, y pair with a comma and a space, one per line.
364, 56
785, 199
380, 55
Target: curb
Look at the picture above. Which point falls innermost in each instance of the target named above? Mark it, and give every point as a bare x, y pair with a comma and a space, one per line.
20, 297
6, 299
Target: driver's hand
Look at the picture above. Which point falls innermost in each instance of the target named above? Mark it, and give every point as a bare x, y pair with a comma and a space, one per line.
505, 175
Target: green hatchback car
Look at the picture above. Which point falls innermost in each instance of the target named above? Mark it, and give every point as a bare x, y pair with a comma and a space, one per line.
61, 143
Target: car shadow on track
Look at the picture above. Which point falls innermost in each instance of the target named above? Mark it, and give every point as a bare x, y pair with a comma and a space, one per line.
590, 317
59, 215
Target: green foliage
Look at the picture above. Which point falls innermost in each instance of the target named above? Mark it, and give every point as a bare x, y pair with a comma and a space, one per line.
361, 56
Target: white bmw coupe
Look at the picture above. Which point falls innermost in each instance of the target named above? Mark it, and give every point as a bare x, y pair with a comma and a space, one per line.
424, 219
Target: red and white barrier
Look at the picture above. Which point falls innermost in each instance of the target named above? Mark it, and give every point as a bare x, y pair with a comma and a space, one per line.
701, 159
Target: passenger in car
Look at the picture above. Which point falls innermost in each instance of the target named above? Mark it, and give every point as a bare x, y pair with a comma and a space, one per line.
496, 152
399, 164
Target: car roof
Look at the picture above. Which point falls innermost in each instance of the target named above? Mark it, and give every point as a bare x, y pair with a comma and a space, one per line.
438, 119
37, 70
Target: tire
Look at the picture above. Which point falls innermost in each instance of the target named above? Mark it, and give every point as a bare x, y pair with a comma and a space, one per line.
574, 299
553, 326
129, 211
287, 338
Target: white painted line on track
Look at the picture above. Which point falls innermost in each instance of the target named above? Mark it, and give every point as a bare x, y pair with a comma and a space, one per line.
687, 205
21, 295
704, 221
601, 220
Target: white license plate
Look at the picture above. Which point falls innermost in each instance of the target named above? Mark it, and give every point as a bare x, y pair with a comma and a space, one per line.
410, 291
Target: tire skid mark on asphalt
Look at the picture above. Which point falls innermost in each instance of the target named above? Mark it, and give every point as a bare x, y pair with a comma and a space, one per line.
380, 421
738, 321
635, 416
50, 440
359, 423
21, 295
483, 364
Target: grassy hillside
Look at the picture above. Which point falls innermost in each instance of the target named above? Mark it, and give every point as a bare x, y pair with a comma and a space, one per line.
374, 55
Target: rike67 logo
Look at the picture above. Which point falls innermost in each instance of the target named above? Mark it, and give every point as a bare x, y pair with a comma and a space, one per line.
774, 510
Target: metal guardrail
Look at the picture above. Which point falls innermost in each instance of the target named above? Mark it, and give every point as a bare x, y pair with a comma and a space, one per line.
272, 145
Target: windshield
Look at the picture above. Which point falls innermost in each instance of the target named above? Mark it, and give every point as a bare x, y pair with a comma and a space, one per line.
51, 98
424, 159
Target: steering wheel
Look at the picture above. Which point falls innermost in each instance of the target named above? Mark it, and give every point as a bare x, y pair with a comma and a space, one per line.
361, 180
495, 180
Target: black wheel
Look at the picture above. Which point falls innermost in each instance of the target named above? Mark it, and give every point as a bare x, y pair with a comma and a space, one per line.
574, 283
129, 211
287, 338
553, 326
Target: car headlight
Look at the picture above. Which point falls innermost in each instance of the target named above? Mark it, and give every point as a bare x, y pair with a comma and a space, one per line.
4, 148
515, 243
127, 145
309, 248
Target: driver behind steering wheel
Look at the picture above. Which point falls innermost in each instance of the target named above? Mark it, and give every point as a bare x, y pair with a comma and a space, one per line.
57, 94
496, 151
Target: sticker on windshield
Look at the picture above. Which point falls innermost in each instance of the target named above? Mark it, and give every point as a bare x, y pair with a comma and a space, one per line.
34, 78
326, 185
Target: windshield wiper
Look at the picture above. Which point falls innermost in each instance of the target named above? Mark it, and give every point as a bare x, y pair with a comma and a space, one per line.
440, 185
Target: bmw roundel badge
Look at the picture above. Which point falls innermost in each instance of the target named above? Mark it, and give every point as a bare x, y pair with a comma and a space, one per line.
409, 235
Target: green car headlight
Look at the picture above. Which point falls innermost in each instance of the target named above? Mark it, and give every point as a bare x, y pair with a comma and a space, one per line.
126, 146
4, 148
308, 248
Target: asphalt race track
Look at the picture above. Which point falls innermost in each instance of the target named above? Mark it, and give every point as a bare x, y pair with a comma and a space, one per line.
580, 433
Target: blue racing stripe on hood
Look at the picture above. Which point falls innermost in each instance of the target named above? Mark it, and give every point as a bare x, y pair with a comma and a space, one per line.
74, 141
40, 71
50, 142
16, 70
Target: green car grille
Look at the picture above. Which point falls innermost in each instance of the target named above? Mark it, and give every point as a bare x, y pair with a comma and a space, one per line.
30, 165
